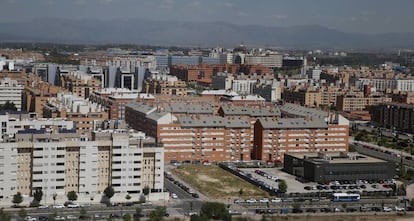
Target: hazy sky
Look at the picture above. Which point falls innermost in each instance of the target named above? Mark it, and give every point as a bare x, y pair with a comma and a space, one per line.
364, 16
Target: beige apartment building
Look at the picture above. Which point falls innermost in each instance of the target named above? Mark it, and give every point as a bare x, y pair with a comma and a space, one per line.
83, 112
62, 161
80, 83
359, 102
304, 97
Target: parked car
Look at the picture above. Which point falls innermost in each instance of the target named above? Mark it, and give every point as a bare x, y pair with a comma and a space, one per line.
264, 200
251, 201
399, 209
387, 209
58, 206
29, 218
276, 200
73, 205
43, 207
174, 196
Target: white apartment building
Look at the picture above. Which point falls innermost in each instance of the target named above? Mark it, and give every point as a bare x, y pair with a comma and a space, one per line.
405, 85
11, 91
269, 60
11, 123
380, 84
243, 87
64, 161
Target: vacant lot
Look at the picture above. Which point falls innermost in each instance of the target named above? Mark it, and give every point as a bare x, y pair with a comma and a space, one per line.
216, 182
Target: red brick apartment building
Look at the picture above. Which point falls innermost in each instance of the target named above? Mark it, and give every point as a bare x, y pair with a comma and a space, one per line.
197, 133
114, 100
193, 73
273, 138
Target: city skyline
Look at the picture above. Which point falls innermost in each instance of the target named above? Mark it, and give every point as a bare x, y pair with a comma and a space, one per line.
351, 16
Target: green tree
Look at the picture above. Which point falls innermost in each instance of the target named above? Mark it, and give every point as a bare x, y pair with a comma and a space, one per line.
54, 196
8, 106
109, 192
128, 197
198, 218
282, 186
402, 170
17, 198
158, 213
83, 214
127, 217
137, 215
38, 194
72, 196
52, 216
241, 191
4, 215
22, 213
215, 210
146, 191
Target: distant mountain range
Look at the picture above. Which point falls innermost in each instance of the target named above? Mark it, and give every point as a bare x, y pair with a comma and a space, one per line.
203, 34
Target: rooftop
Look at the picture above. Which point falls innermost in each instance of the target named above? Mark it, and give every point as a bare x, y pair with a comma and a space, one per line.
297, 110
335, 158
292, 123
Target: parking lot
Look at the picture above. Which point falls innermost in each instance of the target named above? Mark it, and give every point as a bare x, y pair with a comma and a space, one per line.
272, 175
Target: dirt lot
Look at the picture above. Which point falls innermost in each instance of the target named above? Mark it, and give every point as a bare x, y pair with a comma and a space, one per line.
216, 182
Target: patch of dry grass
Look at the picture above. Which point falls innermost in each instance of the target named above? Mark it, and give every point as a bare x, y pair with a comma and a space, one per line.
216, 182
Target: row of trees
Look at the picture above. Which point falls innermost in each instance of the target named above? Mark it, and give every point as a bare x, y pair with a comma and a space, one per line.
109, 192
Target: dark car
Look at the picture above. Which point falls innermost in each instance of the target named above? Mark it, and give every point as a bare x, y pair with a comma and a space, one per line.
311, 210
297, 210
43, 218
326, 210
351, 210
195, 195
376, 209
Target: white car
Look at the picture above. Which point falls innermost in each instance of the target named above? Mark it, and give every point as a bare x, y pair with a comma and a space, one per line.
251, 201
276, 200
239, 201
399, 209
387, 209
60, 218
29, 218
73, 205
71, 217
58, 206
174, 196
264, 200
43, 207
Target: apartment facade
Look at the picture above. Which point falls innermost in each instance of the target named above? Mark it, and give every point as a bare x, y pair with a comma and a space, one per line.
275, 137
397, 116
36, 95
65, 161
11, 91
358, 102
303, 97
83, 112
114, 100
80, 83
269, 60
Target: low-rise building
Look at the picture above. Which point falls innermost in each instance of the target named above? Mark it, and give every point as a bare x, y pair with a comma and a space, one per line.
339, 166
